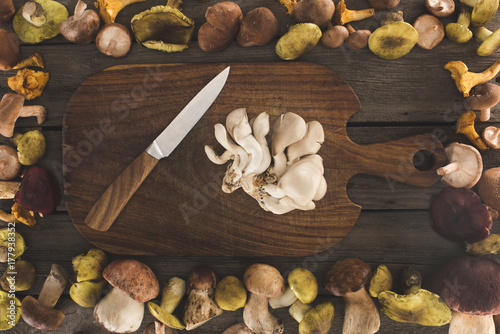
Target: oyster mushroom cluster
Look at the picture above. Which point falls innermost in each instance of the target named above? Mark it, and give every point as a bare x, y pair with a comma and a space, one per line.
284, 176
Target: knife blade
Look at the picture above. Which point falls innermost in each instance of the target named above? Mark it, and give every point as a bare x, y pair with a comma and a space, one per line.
107, 208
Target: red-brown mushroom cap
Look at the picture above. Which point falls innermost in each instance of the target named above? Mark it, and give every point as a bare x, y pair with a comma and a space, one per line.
346, 276
470, 285
9, 164
132, 277
458, 214
10, 49
263, 279
39, 191
201, 278
7, 11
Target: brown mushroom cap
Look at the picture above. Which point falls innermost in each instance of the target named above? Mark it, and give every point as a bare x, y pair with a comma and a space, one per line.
263, 279
346, 276
440, 8
258, 27
319, 12
358, 40
430, 31
335, 37
9, 165
10, 107
383, 4
40, 317
470, 285
491, 136
132, 277
484, 96
201, 278
488, 187
7, 11
458, 214
10, 49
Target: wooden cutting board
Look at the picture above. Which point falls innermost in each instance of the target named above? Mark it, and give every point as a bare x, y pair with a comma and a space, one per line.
180, 208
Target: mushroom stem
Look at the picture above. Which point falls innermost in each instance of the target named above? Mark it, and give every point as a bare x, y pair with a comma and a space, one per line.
172, 294
485, 115
463, 323
33, 13
257, 317
464, 18
482, 33
8, 189
284, 300
298, 310
39, 111
361, 315
53, 287
8, 218
450, 168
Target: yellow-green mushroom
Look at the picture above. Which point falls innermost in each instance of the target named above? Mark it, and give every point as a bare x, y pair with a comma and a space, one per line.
230, 294
299, 40
31, 147
10, 310
172, 294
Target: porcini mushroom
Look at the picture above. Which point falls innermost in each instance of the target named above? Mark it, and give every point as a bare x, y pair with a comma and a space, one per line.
344, 15
347, 279
491, 136
430, 31
488, 187
9, 164
334, 37
393, 41
258, 27
172, 294
470, 286
440, 8
465, 80
459, 31
122, 309
484, 97
319, 12
114, 40
464, 168
109, 9
38, 20
383, 4
163, 28
358, 39
12, 313
10, 49
482, 10
230, 294
82, 27
381, 280
420, 307
7, 11
465, 126
200, 305
262, 281
221, 28
458, 214
490, 41
40, 313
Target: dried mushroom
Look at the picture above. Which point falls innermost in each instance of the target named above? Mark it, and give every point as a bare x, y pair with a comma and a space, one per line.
393, 40
29, 83
258, 27
163, 28
221, 28
114, 40
10, 49
38, 20
299, 40
109, 9
82, 27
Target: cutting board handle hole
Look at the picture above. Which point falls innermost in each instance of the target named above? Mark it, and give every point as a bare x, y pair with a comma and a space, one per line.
424, 160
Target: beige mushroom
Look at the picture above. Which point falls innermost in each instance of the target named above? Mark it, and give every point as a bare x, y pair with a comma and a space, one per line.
12, 107
465, 166
9, 164
430, 31
240, 328
491, 136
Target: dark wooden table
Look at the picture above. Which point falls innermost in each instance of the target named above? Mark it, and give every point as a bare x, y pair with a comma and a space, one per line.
408, 96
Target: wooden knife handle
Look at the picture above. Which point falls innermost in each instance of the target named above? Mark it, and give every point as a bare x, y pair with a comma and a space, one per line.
113, 200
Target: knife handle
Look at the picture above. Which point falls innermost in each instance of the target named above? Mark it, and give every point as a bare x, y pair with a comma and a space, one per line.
113, 200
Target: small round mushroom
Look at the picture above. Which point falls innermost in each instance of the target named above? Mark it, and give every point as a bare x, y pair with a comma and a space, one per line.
470, 286
302, 286
258, 27
114, 40
122, 309
221, 28
31, 148
383, 4
172, 295
459, 31
484, 97
458, 214
9, 164
7, 11
430, 31
347, 279
464, 168
335, 36
10, 50
491, 136
319, 12
263, 282
411, 280
440, 8
358, 39
82, 27
488, 187
230, 294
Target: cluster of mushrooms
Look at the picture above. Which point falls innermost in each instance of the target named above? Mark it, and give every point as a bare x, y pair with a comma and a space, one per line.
286, 177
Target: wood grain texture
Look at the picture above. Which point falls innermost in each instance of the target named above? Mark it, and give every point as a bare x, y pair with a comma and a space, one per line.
123, 108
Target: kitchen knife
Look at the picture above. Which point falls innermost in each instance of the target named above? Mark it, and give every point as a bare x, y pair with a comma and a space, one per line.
113, 200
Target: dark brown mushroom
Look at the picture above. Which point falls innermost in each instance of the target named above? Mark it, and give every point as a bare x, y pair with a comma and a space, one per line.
459, 215
221, 28
488, 187
430, 31
383, 4
7, 11
484, 97
440, 8
470, 286
335, 36
358, 39
258, 27
10, 49
319, 12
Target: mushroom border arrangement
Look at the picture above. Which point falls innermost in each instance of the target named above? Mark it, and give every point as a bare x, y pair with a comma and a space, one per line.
269, 175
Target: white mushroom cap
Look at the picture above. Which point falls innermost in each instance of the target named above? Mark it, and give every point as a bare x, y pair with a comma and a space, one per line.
465, 166
491, 136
